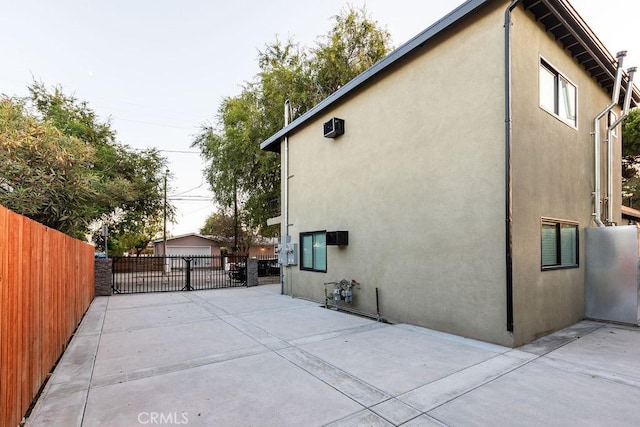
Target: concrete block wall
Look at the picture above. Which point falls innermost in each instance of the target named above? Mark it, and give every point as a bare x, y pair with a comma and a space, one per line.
103, 277
252, 272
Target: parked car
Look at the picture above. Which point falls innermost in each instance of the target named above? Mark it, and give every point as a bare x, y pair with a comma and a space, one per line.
100, 255
268, 267
237, 271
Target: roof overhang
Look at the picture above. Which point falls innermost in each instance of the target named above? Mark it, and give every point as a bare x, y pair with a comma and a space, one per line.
562, 21
558, 17
182, 236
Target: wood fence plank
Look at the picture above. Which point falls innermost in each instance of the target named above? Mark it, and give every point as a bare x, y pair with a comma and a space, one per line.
44, 291
4, 315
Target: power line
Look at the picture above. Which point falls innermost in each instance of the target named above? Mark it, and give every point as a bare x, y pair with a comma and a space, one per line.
185, 199
179, 151
187, 191
155, 124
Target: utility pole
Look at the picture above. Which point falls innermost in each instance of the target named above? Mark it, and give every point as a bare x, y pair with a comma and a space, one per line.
235, 218
105, 234
164, 226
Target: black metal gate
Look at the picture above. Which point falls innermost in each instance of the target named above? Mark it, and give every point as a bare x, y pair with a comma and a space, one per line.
177, 273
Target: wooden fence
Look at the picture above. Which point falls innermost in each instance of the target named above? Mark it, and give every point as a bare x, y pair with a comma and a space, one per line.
46, 286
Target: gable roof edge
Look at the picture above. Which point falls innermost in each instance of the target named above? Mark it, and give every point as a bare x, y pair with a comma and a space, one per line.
416, 42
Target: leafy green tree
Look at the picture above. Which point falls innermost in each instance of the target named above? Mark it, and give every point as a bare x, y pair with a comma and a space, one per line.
353, 45
222, 226
238, 172
45, 174
631, 136
219, 224
71, 116
62, 167
631, 159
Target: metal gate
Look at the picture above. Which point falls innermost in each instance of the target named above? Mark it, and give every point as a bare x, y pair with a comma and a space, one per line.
177, 273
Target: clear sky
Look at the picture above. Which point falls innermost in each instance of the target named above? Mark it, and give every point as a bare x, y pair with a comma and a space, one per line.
161, 68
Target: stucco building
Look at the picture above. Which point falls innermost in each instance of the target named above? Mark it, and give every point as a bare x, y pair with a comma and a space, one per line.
463, 171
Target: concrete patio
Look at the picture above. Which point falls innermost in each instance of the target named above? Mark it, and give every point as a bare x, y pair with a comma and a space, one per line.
252, 357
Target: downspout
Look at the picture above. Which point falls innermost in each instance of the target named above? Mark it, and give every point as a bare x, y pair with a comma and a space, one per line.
612, 126
597, 213
507, 162
285, 202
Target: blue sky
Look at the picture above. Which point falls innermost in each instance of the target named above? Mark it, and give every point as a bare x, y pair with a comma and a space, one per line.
160, 68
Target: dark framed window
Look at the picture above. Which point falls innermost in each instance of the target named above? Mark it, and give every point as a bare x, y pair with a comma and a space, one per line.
558, 95
313, 251
559, 244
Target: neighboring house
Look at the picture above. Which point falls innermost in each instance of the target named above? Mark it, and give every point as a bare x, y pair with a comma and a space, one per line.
191, 244
263, 248
188, 244
464, 177
197, 244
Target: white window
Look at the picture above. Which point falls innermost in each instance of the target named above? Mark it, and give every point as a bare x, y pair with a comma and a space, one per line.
558, 95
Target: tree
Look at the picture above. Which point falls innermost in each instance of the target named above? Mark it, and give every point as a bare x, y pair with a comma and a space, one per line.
222, 226
238, 172
219, 224
631, 158
353, 45
62, 167
45, 174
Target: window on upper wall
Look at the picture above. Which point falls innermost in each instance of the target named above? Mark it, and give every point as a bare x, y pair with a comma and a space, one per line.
313, 251
558, 95
559, 243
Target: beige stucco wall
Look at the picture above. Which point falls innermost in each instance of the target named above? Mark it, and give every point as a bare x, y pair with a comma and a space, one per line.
552, 177
418, 181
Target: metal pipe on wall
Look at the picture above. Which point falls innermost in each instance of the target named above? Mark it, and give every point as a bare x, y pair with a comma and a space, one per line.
597, 213
507, 162
284, 228
623, 114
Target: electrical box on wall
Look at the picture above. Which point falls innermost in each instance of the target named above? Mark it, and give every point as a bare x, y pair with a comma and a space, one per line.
292, 254
287, 252
333, 128
338, 238
281, 250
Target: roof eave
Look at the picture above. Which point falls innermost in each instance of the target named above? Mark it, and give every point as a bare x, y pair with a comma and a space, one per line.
273, 142
599, 63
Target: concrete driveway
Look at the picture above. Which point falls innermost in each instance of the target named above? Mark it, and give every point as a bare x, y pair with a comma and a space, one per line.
252, 357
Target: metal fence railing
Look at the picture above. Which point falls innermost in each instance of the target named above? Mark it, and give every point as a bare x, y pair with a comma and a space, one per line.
177, 273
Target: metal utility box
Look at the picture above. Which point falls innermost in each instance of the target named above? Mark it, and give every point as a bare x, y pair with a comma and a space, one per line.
612, 291
287, 252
